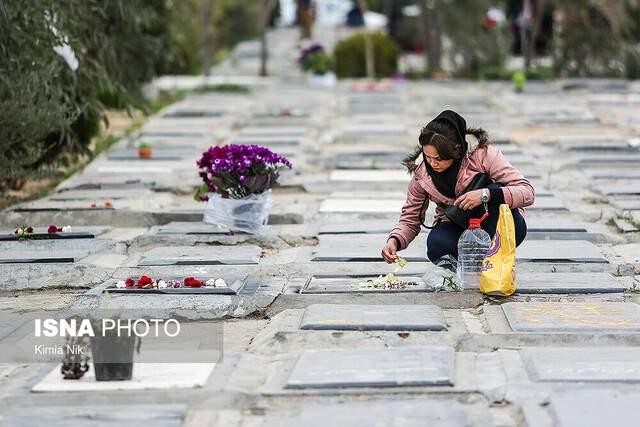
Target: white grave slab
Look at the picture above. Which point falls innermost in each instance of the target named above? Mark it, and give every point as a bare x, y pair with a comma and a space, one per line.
361, 205
373, 317
571, 317
363, 175
583, 364
379, 367
145, 376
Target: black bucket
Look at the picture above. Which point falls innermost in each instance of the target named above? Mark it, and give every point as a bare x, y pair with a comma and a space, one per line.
113, 357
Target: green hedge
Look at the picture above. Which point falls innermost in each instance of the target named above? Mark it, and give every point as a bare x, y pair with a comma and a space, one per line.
349, 56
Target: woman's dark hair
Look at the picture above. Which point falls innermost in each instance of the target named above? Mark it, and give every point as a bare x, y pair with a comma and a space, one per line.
442, 136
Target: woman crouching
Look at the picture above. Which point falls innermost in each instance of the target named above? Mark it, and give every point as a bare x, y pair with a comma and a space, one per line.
447, 169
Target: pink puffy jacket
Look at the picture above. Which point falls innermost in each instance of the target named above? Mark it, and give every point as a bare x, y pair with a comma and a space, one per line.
518, 192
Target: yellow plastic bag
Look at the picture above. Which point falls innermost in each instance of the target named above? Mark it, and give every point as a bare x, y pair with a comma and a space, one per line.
498, 275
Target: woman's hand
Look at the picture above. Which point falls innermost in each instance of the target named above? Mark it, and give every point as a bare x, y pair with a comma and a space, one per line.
389, 251
469, 200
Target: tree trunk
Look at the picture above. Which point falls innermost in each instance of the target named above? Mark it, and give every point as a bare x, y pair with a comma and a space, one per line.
533, 11
267, 7
431, 36
206, 45
368, 47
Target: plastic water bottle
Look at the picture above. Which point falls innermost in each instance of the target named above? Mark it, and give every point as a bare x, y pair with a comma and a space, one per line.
472, 248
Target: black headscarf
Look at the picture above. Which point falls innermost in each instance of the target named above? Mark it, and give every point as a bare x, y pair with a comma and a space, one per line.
445, 181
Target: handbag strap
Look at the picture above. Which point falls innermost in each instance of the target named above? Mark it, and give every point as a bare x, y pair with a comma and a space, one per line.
422, 209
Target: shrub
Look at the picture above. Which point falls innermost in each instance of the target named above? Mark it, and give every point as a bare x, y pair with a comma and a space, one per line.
49, 103
315, 60
473, 44
587, 45
349, 55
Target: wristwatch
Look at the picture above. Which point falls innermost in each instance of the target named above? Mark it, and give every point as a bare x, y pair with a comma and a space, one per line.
484, 198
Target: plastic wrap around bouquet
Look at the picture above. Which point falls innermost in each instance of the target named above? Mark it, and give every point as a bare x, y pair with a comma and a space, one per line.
237, 186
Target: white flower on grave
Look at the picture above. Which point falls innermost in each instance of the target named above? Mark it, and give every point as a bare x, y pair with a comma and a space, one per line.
211, 283
120, 284
66, 229
220, 283
200, 270
162, 284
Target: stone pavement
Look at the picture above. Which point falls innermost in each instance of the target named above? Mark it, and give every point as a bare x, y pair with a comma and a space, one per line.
303, 343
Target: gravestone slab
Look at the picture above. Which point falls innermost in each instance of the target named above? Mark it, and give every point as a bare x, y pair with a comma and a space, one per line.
625, 226
595, 408
369, 108
362, 175
565, 251
70, 206
361, 205
272, 141
613, 146
567, 283
371, 162
614, 174
40, 257
235, 284
158, 154
145, 376
583, 364
349, 317
330, 284
134, 170
358, 227
556, 225
629, 188
572, 317
609, 159
372, 130
171, 135
365, 248
106, 184
165, 415
11, 237
190, 229
626, 204
425, 412
101, 195
193, 114
369, 195
273, 131
379, 367
547, 204
201, 255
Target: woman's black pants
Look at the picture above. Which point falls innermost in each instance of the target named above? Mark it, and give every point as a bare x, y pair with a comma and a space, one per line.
443, 240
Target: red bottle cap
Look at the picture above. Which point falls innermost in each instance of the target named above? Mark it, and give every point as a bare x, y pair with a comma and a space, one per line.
475, 223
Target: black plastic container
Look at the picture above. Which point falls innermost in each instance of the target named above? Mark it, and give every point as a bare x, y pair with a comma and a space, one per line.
113, 357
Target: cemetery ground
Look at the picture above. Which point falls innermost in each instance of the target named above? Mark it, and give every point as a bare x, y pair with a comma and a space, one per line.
303, 342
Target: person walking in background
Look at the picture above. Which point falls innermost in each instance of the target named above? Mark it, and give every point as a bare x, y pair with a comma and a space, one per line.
305, 17
355, 16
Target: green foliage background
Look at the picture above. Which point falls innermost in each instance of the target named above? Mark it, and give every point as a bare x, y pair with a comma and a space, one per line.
49, 113
349, 56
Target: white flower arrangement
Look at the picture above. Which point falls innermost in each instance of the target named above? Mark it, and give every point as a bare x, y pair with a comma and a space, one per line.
216, 283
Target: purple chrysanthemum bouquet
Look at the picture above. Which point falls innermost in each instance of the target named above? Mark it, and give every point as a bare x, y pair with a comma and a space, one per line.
313, 49
237, 171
